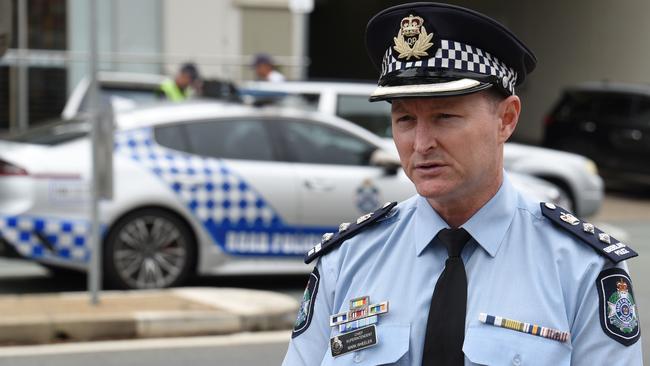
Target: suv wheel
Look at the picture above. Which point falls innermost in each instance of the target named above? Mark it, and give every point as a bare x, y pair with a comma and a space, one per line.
148, 248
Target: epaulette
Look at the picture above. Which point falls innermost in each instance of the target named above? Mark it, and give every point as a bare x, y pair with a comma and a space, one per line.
347, 230
603, 243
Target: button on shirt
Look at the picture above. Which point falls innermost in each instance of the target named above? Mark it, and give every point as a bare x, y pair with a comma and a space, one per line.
519, 266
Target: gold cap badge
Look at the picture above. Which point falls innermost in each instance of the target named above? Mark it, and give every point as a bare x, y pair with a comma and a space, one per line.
412, 39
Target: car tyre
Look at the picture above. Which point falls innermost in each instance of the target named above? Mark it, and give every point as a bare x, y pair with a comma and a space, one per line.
149, 248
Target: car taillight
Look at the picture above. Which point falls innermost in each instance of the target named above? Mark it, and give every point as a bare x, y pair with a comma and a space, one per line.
11, 169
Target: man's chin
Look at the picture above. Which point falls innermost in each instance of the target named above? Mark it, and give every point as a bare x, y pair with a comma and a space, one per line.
433, 191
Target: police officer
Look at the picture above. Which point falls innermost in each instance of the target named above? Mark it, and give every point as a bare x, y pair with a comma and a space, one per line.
468, 271
265, 69
179, 88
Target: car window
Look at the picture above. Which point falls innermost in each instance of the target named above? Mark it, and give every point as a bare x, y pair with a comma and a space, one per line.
374, 117
226, 139
122, 98
172, 136
589, 105
307, 142
614, 105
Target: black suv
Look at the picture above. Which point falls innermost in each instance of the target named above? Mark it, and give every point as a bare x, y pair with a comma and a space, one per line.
609, 123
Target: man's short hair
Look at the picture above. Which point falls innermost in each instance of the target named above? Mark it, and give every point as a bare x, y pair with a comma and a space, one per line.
191, 70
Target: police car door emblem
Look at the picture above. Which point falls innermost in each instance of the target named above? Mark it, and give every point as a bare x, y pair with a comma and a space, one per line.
412, 39
367, 198
357, 326
618, 312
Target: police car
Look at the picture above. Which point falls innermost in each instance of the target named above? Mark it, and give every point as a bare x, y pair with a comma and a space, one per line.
575, 175
207, 188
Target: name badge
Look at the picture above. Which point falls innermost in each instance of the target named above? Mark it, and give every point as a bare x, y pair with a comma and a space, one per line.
353, 341
357, 326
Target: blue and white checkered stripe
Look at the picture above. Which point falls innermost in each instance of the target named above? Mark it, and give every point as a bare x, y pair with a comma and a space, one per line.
69, 238
225, 204
217, 194
456, 56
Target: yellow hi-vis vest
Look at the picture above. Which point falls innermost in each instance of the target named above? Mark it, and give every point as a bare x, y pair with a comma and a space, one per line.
172, 91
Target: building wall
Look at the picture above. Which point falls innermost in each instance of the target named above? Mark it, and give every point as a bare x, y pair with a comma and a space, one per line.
257, 38
204, 31
579, 41
131, 29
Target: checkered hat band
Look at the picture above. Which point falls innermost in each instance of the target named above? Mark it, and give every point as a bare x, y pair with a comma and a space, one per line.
458, 57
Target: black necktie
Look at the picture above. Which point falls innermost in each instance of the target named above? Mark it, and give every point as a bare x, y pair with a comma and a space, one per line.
443, 343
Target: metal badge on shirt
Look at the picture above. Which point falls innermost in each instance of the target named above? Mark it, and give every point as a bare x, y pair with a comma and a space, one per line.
357, 326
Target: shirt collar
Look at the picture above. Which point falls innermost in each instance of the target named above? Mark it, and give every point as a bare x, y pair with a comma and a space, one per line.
488, 226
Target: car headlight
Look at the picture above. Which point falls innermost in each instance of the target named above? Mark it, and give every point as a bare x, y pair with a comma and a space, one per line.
591, 167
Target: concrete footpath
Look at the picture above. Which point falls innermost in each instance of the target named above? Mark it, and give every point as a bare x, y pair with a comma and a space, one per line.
69, 317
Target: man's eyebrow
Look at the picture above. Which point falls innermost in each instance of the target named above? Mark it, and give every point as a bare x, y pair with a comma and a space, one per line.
397, 107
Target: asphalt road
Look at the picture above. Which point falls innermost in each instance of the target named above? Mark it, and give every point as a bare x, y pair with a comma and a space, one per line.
628, 215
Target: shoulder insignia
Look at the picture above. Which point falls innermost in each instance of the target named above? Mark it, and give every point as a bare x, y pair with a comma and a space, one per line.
346, 231
618, 311
603, 243
306, 310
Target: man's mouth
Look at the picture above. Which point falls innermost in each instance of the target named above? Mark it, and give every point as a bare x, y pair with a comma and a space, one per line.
429, 167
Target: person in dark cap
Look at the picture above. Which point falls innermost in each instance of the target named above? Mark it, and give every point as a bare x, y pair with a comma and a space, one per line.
178, 89
265, 69
468, 271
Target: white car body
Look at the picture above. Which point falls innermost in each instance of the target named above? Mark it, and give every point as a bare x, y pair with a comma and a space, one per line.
575, 175
277, 210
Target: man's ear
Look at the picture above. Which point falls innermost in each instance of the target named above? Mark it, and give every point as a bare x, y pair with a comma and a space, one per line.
509, 110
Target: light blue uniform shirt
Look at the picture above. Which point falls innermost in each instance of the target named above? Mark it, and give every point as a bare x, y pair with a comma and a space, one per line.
519, 266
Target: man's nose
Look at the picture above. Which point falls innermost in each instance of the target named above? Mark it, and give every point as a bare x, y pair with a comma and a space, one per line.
425, 137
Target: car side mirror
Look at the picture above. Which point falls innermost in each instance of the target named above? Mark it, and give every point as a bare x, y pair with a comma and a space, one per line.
384, 159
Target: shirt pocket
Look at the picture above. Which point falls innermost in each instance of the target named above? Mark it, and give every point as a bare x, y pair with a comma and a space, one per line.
493, 346
392, 345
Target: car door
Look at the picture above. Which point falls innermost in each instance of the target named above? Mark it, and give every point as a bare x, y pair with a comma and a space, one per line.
336, 181
247, 196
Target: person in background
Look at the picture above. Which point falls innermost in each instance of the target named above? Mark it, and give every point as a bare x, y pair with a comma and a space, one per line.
185, 83
265, 70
